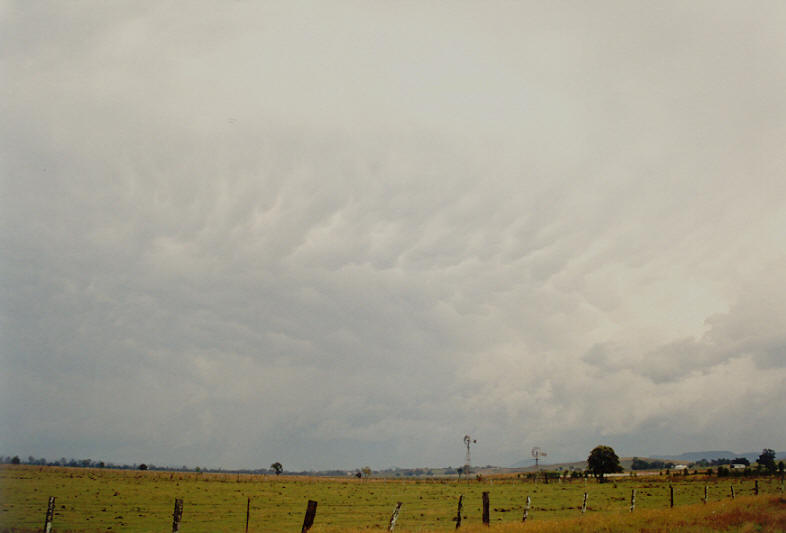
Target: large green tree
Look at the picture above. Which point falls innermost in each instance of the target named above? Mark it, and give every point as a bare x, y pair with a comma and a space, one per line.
767, 460
277, 468
602, 460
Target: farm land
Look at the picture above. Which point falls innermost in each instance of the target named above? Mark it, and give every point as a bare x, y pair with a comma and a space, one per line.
92, 500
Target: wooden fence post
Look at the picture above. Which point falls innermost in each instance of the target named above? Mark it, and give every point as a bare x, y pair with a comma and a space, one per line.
177, 515
394, 517
458, 512
706, 494
732, 492
526, 509
311, 512
486, 516
584, 505
671, 495
50, 515
632, 499
248, 511
756, 487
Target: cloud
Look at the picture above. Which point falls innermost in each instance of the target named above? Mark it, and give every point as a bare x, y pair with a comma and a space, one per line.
352, 234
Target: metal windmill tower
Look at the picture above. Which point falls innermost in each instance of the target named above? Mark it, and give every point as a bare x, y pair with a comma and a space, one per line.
537, 453
467, 460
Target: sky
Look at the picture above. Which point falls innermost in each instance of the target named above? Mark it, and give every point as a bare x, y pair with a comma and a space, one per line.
337, 234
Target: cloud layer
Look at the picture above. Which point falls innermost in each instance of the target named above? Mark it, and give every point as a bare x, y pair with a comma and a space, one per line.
349, 234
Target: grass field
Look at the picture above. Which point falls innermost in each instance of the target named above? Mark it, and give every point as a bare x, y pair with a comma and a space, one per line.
114, 500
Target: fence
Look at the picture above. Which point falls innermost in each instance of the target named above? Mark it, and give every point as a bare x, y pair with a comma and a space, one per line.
179, 508
135, 501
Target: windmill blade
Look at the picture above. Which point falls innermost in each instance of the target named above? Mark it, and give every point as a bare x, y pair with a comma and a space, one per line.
538, 452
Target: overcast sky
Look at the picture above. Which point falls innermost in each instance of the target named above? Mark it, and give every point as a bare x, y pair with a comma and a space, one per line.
337, 234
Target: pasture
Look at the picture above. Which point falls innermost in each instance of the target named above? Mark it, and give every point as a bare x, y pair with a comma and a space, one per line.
136, 501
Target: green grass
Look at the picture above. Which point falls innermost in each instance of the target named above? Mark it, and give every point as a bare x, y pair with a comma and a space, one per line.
111, 500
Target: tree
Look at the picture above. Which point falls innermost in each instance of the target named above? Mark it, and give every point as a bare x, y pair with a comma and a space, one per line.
143, 466
366, 471
277, 468
641, 464
602, 460
15, 460
767, 459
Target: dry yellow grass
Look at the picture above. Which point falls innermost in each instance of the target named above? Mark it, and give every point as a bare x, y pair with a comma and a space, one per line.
746, 514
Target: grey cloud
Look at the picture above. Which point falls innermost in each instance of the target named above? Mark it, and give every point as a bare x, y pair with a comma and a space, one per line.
370, 231
749, 329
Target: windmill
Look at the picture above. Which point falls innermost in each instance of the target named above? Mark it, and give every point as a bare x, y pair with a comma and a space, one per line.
467, 441
537, 453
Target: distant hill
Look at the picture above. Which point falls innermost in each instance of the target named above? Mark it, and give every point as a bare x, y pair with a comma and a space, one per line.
690, 457
695, 456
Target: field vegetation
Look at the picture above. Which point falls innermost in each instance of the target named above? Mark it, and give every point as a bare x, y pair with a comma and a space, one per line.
90, 500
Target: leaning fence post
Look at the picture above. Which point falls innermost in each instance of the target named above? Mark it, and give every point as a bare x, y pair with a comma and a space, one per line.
248, 512
671, 495
311, 512
732, 492
458, 513
177, 515
50, 515
526, 509
632, 499
394, 517
584, 505
486, 517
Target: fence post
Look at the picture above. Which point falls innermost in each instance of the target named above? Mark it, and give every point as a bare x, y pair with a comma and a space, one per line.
671, 495
526, 509
458, 512
732, 492
486, 516
248, 511
394, 517
584, 505
177, 515
311, 512
50, 515
756, 487
632, 499
706, 494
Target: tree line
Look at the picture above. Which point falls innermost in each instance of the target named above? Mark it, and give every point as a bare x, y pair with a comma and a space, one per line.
601, 461
90, 463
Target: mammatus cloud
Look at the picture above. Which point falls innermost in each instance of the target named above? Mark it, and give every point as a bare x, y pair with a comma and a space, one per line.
352, 234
